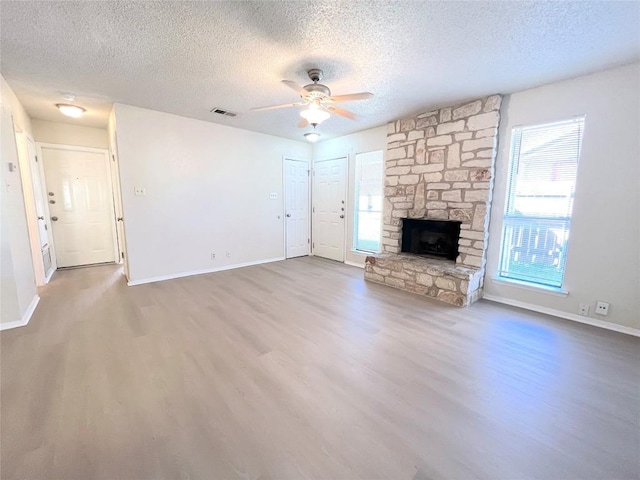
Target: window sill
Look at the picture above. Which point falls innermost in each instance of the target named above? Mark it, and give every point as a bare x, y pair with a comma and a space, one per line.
364, 252
559, 292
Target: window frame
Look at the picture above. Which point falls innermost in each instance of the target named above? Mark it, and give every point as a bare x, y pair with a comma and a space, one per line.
356, 200
510, 218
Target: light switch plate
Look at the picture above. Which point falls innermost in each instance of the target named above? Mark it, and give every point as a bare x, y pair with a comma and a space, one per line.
140, 191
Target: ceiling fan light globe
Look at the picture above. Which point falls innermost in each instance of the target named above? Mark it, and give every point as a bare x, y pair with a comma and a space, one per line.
315, 115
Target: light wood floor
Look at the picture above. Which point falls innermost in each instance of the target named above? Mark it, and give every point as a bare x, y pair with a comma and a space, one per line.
300, 369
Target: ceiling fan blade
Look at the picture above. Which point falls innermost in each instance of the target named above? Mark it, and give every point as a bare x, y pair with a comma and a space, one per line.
341, 111
303, 123
350, 97
272, 107
294, 86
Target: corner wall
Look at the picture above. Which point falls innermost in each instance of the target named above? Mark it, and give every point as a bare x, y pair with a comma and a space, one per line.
207, 191
603, 261
19, 296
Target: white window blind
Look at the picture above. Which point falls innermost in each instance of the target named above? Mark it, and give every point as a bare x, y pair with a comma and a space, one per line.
368, 201
537, 219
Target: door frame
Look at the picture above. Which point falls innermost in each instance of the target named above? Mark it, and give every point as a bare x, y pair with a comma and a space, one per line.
29, 167
110, 193
346, 201
307, 162
118, 209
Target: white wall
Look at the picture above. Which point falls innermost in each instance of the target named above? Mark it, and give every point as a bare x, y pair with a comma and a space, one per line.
17, 282
207, 190
603, 254
67, 134
348, 146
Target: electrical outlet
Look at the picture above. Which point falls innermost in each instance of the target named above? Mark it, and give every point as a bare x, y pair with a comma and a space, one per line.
228, 254
583, 309
140, 191
213, 256
602, 308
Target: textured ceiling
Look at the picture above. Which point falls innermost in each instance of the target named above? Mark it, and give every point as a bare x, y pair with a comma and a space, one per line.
187, 57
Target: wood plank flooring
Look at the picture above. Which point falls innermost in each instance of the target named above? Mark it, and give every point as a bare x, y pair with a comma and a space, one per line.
301, 370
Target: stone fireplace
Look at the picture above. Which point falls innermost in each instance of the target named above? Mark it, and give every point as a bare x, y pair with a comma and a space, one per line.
439, 167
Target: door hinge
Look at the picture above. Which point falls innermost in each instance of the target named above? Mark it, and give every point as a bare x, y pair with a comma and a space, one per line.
308, 240
313, 209
122, 255
313, 246
113, 157
36, 157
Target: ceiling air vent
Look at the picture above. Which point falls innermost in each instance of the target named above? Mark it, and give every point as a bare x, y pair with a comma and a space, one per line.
220, 111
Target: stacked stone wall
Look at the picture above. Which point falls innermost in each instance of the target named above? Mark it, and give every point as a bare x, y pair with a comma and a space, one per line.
440, 165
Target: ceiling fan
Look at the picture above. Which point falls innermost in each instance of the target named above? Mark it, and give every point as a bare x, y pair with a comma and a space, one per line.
319, 100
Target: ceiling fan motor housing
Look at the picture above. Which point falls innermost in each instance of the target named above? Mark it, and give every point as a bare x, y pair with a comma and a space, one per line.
317, 90
315, 74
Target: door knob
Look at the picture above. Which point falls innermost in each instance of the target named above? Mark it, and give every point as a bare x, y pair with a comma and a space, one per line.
341, 216
40, 218
55, 219
288, 214
51, 194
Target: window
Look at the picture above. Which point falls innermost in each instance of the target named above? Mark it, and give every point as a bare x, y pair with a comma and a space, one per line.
368, 201
542, 179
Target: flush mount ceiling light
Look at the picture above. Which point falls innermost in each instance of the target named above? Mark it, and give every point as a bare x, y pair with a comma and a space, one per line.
312, 136
70, 110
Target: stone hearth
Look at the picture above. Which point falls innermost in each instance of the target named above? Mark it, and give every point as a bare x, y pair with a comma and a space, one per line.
440, 166
436, 278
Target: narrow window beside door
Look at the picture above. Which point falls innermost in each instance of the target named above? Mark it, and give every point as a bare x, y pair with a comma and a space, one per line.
542, 179
368, 201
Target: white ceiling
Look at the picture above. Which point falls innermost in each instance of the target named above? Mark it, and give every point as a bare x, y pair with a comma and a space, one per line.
187, 57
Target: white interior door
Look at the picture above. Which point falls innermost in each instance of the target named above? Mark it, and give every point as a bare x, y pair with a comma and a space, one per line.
40, 207
296, 208
80, 205
329, 208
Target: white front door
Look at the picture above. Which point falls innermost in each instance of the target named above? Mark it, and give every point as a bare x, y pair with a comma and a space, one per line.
80, 205
329, 208
296, 208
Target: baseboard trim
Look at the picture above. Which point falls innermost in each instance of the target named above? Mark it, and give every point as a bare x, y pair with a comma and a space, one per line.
25, 318
568, 316
132, 283
353, 264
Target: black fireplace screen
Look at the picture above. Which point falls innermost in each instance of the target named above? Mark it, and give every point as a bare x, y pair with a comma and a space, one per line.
437, 238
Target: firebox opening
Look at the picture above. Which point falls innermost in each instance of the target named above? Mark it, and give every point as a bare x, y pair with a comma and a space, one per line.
431, 238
